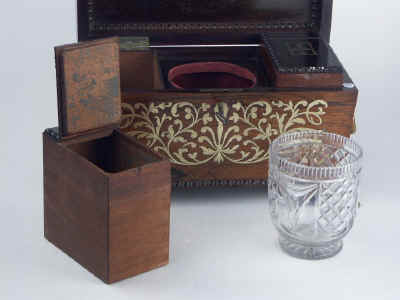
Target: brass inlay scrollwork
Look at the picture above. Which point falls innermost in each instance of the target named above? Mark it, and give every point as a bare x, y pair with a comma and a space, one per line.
194, 134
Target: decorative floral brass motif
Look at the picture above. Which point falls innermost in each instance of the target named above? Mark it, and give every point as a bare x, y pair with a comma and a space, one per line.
194, 134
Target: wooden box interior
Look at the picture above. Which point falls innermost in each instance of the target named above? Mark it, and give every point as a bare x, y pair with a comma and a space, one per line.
113, 153
216, 22
251, 58
106, 203
148, 70
157, 64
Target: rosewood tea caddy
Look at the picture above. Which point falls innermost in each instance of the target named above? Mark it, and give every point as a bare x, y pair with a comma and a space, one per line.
106, 198
215, 125
202, 86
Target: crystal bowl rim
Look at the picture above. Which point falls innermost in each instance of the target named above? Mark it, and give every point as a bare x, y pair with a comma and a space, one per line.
312, 171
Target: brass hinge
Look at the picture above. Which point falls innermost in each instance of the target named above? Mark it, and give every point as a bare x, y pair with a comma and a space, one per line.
134, 43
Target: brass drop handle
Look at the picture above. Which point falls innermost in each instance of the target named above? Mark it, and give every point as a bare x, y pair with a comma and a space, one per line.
221, 110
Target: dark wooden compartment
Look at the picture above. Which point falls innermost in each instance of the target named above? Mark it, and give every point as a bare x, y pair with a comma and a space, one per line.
302, 61
140, 70
113, 153
106, 197
251, 58
321, 69
107, 203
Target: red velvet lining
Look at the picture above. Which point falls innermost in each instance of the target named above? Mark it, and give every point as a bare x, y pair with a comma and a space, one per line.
211, 75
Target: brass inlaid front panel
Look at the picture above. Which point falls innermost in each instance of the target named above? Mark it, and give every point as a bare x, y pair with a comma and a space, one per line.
193, 134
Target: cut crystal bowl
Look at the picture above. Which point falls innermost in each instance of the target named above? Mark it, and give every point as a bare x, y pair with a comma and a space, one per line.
313, 191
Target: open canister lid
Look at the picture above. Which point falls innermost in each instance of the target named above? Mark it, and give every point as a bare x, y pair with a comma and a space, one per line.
88, 86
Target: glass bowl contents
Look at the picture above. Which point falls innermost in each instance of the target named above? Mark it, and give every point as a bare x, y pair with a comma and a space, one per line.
313, 191
211, 75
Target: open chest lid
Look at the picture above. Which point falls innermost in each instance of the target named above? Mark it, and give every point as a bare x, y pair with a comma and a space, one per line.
104, 18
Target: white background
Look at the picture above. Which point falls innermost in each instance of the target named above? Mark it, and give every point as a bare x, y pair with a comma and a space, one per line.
222, 242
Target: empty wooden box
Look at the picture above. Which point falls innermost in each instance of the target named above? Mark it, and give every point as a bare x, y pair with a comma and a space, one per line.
106, 198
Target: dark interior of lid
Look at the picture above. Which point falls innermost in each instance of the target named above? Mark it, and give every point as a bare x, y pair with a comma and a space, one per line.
127, 17
202, 10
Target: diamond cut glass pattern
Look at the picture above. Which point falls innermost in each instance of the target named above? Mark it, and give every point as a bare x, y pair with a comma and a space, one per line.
313, 191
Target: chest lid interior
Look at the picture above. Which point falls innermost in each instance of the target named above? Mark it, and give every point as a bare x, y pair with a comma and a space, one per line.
159, 18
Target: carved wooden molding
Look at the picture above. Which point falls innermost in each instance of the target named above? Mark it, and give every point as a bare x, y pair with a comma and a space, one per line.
96, 27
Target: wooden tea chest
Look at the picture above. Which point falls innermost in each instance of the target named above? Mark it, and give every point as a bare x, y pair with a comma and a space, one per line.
186, 90
106, 198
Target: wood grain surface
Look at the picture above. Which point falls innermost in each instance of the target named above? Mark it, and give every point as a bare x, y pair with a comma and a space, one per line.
88, 81
107, 204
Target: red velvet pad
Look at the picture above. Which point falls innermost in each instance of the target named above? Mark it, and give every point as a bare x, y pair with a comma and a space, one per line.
211, 75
